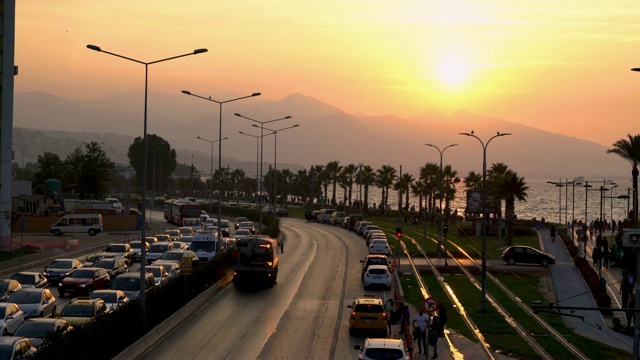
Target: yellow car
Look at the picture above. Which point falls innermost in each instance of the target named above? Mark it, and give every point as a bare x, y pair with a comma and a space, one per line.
81, 310
367, 314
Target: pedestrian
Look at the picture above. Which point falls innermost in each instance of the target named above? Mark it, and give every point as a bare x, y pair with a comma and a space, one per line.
390, 309
553, 234
625, 287
605, 257
599, 242
406, 314
631, 304
596, 254
420, 325
436, 330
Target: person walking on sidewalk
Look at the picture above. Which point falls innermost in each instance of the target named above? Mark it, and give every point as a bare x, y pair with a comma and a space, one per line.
406, 314
631, 304
436, 329
553, 234
421, 324
390, 309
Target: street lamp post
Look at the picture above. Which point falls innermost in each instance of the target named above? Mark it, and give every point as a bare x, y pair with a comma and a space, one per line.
22, 156
485, 217
257, 137
220, 103
441, 196
212, 142
559, 186
573, 209
144, 161
261, 157
614, 186
275, 163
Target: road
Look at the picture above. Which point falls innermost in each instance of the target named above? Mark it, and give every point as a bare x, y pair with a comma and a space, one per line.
304, 315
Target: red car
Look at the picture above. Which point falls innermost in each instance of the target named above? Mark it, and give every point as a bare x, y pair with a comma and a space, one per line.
84, 281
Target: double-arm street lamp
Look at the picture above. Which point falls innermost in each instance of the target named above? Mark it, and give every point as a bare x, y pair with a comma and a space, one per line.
144, 161
559, 185
220, 103
212, 142
441, 180
275, 163
261, 157
485, 216
22, 155
257, 137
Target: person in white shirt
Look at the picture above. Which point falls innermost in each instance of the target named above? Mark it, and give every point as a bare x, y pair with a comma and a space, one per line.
421, 321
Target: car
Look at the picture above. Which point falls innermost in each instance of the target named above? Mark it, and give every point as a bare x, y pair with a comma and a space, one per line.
59, 268
377, 275
129, 283
8, 287
180, 245
241, 233
160, 274
367, 314
316, 216
203, 216
337, 217
368, 229
349, 223
80, 311
362, 226
224, 225
178, 255
30, 279
526, 255
136, 245
112, 298
247, 225
238, 220
163, 237
114, 266
16, 347
383, 348
373, 259
156, 250
90, 260
186, 239
174, 234
35, 302
172, 268
10, 318
84, 281
375, 233
38, 329
282, 211
123, 250
186, 231
379, 246
151, 239
325, 215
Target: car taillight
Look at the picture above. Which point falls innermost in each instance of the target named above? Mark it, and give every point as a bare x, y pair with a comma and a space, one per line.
353, 315
384, 316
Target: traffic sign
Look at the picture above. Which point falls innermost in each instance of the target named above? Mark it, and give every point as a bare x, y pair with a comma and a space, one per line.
430, 305
185, 266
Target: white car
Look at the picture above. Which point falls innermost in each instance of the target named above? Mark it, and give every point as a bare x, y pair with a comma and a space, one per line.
112, 298
241, 233
172, 268
156, 250
368, 229
377, 275
160, 274
383, 349
10, 318
379, 246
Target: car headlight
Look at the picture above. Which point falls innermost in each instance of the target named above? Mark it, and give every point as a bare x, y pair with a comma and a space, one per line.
84, 285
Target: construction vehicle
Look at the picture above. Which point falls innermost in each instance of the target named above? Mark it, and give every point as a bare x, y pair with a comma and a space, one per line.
255, 260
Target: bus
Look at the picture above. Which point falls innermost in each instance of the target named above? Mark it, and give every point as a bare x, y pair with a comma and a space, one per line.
176, 210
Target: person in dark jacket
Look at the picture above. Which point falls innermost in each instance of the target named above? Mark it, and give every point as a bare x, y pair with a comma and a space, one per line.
436, 329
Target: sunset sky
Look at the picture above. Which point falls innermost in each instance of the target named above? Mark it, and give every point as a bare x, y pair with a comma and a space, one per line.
558, 66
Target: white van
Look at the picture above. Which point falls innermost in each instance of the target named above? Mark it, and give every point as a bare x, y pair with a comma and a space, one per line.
204, 245
78, 223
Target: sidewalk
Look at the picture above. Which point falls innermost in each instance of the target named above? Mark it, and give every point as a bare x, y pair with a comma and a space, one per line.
572, 290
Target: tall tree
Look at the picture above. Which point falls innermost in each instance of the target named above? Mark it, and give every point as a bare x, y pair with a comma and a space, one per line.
349, 171
87, 174
50, 166
160, 157
404, 183
629, 149
473, 181
385, 176
514, 188
366, 177
495, 177
333, 170
450, 181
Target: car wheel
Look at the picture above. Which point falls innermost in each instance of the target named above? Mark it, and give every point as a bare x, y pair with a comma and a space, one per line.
511, 261
57, 232
92, 232
545, 263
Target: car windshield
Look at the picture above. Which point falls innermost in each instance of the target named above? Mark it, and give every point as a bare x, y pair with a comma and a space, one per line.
157, 272
63, 264
377, 261
105, 264
27, 297
377, 242
78, 310
383, 354
4, 286
377, 271
158, 248
125, 283
21, 278
2, 312
107, 297
34, 330
167, 267
171, 256
116, 248
6, 351
82, 274
203, 246
135, 245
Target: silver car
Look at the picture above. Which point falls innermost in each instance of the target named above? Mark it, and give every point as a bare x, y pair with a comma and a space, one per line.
10, 318
35, 302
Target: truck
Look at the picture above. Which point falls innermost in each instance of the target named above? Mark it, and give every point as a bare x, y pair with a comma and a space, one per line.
255, 260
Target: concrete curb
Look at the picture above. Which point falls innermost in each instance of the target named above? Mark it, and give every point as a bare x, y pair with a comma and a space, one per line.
165, 327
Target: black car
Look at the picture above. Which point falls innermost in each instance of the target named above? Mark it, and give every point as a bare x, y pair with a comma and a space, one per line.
350, 222
114, 266
526, 255
373, 259
58, 269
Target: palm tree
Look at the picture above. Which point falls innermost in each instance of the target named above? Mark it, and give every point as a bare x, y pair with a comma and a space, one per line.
333, 170
301, 186
404, 183
349, 172
385, 177
514, 188
429, 175
366, 177
629, 149
495, 176
473, 181
449, 181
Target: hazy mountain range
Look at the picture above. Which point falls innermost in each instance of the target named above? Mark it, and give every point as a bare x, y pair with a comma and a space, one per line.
325, 134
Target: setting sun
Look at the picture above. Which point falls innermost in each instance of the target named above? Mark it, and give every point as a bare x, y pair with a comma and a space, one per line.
453, 70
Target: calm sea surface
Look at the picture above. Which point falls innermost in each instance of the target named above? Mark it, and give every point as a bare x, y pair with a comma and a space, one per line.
543, 200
